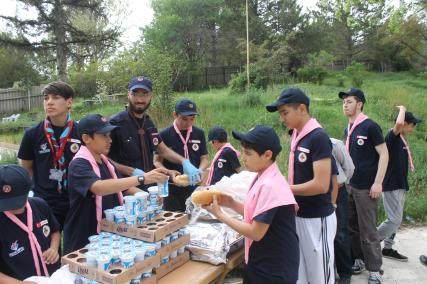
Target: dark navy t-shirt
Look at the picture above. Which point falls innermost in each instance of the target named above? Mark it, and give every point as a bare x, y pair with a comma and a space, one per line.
126, 145
396, 176
313, 147
225, 165
35, 147
16, 257
81, 220
365, 137
196, 149
276, 255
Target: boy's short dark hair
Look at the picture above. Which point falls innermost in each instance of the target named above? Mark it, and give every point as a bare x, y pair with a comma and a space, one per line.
259, 150
59, 88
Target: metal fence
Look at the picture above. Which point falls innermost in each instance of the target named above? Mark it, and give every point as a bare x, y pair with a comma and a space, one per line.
18, 100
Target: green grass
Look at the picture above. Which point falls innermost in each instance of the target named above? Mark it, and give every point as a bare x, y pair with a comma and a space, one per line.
383, 91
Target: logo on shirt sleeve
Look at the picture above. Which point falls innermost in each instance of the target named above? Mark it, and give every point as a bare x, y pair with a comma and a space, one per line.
360, 142
195, 147
46, 230
155, 138
74, 148
302, 157
15, 249
220, 164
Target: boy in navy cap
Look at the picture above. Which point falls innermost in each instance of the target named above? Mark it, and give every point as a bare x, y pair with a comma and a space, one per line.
271, 242
47, 149
30, 236
225, 161
309, 176
94, 183
396, 180
188, 141
366, 146
137, 138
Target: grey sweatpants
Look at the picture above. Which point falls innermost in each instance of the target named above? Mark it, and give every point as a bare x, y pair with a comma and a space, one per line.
363, 211
393, 207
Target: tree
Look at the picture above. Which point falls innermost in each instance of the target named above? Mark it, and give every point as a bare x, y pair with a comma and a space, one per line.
54, 30
16, 66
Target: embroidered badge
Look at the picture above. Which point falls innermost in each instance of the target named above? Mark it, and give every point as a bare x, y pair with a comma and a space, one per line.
360, 142
155, 141
220, 165
7, 188
46, 230
302, 157
74, 148
195, 147
15, 249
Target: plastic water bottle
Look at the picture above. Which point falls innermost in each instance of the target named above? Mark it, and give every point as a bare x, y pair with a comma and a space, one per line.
163, 189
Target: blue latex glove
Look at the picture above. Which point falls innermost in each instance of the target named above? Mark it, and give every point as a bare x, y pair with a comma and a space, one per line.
193, 173
137, 172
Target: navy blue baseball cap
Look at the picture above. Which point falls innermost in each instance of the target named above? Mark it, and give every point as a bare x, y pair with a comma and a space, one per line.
217, 133
94, 123
186, 107
15, 183
140, 82
410, 118
289, 96
353, 92
261, 136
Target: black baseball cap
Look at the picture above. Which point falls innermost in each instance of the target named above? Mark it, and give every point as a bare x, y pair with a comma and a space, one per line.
261, 136
410, 118
186, 107
94, 123
217, 133
353, 92
140, 82
15, 183
289, 96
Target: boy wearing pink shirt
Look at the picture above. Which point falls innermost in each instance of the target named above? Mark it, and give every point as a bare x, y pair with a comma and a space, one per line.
271, 243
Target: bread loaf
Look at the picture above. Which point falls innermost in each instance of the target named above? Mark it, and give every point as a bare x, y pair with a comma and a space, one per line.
181, 180
204, 197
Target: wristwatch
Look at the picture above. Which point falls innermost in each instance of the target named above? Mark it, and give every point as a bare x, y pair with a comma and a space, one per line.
141, 180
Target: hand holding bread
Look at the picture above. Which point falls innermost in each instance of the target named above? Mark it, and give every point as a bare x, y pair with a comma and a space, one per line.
205, 197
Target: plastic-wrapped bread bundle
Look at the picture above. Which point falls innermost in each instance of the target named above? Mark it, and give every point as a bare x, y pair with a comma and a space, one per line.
210, 242
235, 186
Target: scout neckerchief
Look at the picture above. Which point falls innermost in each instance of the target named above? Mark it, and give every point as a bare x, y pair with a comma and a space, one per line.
411, 163
217, 155
350, 128
35, 246
58, 148
184, 141
296, 137
85, 154
144, 147
268, 190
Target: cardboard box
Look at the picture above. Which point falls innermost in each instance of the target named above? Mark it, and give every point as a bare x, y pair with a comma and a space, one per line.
115, 275
166, 250
151, 231
172, 264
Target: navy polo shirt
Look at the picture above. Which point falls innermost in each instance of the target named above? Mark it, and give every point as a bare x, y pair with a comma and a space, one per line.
225, 165
313, 147
126, 145
81, 220
365, 137
396, 176
15, 250
196, 149
35, 147
276, 255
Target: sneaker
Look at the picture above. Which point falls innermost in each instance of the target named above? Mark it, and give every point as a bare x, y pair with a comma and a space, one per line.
375, 277
358, 266
393, 254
